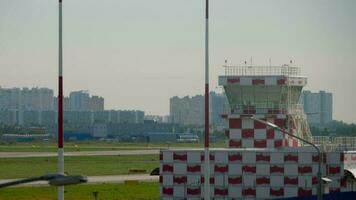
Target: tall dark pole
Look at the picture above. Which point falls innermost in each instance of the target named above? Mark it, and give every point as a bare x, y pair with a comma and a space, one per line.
60, 167
206, 135
207, 75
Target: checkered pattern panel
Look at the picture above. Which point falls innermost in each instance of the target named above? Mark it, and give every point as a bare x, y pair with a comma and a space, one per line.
241, 173
244, 132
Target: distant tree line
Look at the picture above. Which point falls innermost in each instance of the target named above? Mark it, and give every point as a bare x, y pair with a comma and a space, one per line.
335, 128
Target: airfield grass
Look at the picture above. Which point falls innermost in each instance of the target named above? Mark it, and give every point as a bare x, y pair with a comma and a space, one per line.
96, 146
87, 165
122, 191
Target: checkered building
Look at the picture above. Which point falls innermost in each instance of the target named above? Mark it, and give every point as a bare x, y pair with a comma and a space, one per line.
259, 162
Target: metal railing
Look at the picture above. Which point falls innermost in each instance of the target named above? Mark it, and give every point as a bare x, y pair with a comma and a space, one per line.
335, 143
296, 109
284, 70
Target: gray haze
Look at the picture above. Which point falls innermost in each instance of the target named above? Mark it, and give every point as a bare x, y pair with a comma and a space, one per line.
138, 53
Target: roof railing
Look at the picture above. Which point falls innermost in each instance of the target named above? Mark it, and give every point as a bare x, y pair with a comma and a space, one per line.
284, 70
335, 143
267, 106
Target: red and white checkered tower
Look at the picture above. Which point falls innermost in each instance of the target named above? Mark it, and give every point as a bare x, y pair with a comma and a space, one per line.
259, 162
269, 93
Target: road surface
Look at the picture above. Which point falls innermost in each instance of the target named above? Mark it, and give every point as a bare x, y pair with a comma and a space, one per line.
99, 179
79, 153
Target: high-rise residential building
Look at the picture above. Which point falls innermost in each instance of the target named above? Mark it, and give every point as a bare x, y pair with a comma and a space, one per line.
82, 101
139, 116
190, 110
42, 99
218, 105
37, 99
130, 116
96, 103
106, 117
187, 110
79, 101
10, 98
26, 99
38, 107
318, 107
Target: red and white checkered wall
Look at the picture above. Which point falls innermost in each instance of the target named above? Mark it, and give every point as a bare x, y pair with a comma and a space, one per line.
349, 164
350, 160
244, 132
241, 173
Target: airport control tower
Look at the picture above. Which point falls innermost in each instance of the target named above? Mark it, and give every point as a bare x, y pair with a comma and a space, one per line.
259, 162
269, 93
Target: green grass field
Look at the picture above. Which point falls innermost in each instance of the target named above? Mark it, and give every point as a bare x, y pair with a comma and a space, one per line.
140, 191
70, 146
86, 165
95, 146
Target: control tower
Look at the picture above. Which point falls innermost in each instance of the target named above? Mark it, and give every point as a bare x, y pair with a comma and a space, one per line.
259, 162
269, 93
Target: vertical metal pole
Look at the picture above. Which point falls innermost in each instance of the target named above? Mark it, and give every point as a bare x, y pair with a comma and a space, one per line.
206, 149
60, 167
320, 183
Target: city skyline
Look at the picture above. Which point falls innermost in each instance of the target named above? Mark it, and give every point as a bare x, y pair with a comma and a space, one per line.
73, 102
194, 99
43, 98
108, 51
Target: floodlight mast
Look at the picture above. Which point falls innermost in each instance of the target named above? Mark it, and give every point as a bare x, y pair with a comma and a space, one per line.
206, 135
60, 167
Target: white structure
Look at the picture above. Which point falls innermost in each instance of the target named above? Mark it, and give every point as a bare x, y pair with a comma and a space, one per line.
259, 162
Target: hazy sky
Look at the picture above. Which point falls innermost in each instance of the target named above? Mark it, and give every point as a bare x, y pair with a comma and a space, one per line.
139, 53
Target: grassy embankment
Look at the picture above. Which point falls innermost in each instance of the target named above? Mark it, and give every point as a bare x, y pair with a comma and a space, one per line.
140, 191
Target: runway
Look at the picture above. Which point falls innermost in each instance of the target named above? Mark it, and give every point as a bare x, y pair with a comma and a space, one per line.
79, 153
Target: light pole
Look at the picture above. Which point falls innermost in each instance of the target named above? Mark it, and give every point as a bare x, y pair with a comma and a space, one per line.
206, 135
274, 126
53, 179
60, 166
